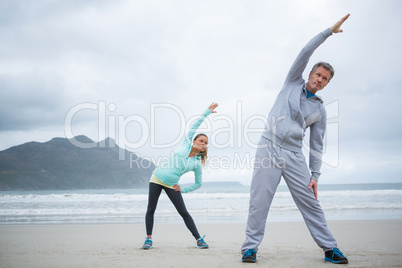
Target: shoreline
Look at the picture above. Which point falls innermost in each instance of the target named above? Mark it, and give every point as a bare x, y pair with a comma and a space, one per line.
366, 243
199, 218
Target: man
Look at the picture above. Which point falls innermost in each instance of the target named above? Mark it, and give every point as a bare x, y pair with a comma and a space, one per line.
280, 153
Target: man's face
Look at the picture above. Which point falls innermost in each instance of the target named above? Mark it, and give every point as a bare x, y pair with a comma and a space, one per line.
318, 80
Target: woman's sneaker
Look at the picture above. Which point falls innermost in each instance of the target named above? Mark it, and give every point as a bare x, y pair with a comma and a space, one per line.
201, 243
335, 256
147, 244
249, 256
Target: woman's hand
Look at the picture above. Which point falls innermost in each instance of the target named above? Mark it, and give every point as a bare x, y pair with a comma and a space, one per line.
336, 28
177, 188
212, 107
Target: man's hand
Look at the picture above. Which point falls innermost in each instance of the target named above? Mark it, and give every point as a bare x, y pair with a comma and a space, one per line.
313, 183
336, 28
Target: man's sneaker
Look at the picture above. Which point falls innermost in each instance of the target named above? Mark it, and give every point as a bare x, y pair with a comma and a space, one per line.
249, 256
147, 244
335, 256
201, 243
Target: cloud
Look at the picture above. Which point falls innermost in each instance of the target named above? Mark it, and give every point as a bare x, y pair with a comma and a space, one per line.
29, 101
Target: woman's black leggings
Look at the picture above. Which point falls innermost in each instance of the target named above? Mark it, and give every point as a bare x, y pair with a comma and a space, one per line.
177, 200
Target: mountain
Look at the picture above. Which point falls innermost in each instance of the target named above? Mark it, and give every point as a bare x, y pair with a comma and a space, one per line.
59, 164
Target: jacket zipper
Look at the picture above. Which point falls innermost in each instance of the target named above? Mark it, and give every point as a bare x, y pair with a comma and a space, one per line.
297, 117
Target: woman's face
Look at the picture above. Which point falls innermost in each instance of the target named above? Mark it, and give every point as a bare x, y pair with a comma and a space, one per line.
200, 143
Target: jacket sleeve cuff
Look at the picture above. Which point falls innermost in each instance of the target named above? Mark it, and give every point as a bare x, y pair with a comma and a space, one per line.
191, 188
207, 112
315, 175
327, 32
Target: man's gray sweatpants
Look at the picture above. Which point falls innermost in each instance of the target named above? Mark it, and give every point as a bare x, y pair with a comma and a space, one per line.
271, 163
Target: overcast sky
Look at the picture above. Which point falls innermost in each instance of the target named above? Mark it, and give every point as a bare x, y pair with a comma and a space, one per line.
139, 71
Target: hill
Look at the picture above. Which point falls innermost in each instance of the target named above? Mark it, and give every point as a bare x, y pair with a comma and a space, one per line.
59, 164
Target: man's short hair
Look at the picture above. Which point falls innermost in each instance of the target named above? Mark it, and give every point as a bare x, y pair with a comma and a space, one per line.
326, 66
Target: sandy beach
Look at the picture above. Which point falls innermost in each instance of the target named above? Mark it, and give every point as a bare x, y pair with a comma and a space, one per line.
367, 243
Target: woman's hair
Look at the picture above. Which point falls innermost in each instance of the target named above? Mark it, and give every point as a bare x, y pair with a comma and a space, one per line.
205, 152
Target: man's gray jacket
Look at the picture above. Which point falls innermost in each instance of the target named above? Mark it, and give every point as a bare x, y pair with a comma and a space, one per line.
293, 113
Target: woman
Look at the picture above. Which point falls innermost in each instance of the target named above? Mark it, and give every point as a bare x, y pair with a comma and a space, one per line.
188, 157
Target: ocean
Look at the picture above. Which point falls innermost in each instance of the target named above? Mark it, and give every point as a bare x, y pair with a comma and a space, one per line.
214, 202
